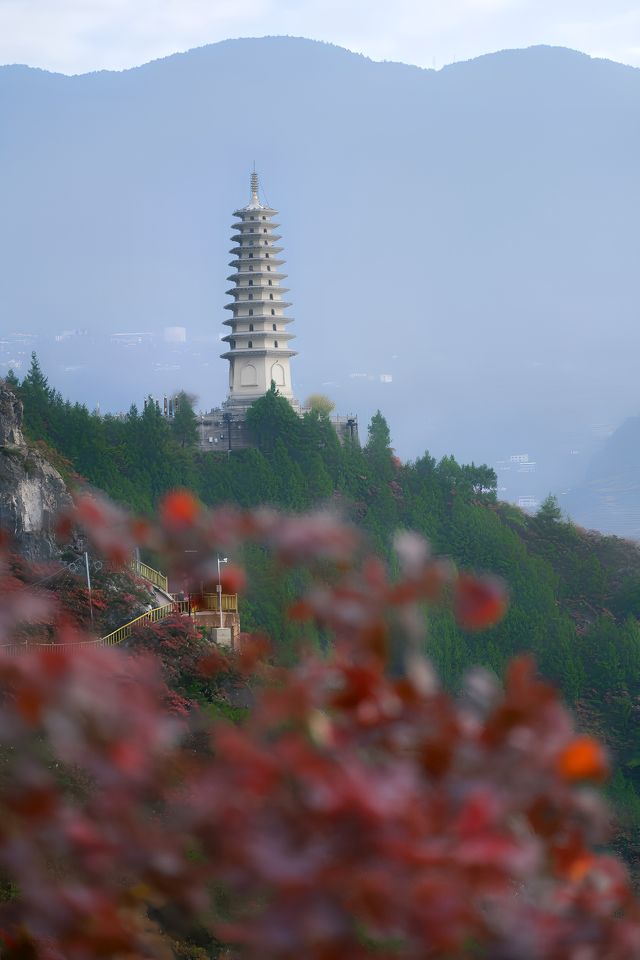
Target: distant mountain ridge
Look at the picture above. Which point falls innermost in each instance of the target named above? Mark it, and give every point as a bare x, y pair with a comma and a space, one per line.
608, 498
203, 49
470, 232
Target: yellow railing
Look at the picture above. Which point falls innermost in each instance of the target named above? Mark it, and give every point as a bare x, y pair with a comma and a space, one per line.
229, 602
182, 606
16, 649
111, 639
151, 616
148, 573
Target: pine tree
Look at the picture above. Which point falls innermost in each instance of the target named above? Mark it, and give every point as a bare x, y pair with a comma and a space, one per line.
12, 381
185, 422
36, 378
379, 435
378, 447
36, 396
549, 510
271, 419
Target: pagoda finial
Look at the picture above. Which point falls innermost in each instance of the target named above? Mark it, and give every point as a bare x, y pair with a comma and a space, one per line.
254, 186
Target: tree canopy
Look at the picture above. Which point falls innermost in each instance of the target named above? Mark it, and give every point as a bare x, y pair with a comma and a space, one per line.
185, 422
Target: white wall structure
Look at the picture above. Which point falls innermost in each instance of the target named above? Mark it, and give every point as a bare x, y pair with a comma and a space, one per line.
175, 334
258, 340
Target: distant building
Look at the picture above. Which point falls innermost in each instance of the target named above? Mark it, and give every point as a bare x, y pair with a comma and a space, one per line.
517, 463
175, 335
69, 334
132, 339
259, 351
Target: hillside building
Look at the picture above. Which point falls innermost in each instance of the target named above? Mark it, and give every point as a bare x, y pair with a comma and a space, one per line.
258, 339
259, 351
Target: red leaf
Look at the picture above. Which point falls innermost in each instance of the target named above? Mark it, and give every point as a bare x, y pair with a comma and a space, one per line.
212, 664
90, 512
479, 602
233, 579
179, 509
29, 703
300, 611
583, 759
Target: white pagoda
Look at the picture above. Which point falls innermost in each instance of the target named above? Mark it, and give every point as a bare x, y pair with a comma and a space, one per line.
258, 340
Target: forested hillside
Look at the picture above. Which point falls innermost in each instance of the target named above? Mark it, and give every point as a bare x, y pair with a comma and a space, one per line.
575, 596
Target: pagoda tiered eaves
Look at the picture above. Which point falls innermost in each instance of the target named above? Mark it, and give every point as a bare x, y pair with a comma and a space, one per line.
259, 353
258, 342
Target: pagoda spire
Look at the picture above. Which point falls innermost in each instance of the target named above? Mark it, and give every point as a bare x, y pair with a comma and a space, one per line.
255, 188
258, 340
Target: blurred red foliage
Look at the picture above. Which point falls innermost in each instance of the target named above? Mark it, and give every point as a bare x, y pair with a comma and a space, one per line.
480, 602
233, 579
179, 509
360, 810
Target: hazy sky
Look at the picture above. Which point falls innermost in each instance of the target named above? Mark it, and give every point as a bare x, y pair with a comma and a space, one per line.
74, 36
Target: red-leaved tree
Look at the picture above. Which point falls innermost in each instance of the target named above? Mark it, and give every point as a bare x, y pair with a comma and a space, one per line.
359, 811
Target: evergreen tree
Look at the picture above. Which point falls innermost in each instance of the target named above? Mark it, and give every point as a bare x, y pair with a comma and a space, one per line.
251, 477
36, 397
272, 418
35, 377
378, 447
185, 422
482, 480
549, 510
12, 381
379, 435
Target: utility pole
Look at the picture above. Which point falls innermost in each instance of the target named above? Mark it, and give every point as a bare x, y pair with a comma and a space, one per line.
227, 419
220, 562
86, 562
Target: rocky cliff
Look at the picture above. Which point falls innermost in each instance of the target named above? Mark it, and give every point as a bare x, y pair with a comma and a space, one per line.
32, 492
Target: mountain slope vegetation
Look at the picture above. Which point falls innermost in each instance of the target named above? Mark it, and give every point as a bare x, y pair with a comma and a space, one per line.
575, 596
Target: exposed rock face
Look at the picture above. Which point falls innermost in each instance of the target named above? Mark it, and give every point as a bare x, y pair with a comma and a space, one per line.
32, 492
10, 418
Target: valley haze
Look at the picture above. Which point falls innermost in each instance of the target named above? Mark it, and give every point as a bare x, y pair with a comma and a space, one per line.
461, 245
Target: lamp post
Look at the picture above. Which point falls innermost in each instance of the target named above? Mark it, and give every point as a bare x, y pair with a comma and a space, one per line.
86, 561
227, 419
221, 560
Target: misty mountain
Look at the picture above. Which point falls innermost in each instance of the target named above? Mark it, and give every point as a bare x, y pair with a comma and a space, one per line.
471, 233
608, 498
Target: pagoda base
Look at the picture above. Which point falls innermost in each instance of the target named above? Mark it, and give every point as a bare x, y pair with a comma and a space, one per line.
237, 407
224, 429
